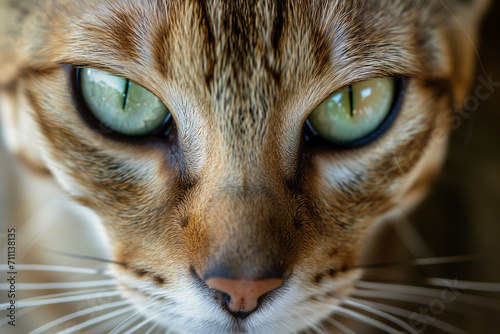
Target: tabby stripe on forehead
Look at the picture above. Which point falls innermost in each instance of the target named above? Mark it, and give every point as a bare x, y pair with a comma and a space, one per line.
278, 24
124, 29
209, 49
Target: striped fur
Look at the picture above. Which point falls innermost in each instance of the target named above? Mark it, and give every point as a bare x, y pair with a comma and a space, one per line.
235, 182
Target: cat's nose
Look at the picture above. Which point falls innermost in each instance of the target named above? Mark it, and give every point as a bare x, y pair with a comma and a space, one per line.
243, 293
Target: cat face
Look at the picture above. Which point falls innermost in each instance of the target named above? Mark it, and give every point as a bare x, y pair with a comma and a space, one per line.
240, 194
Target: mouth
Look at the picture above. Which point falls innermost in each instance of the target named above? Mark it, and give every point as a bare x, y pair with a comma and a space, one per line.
171, 313
197, 307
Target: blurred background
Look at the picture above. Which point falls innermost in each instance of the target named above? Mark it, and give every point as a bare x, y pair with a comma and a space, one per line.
461, 216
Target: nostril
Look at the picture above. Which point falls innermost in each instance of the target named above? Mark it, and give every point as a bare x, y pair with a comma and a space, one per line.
239, 315
236, 314
243, 294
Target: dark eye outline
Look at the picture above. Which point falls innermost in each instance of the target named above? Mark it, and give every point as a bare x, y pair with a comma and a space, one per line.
312, 138
163, 130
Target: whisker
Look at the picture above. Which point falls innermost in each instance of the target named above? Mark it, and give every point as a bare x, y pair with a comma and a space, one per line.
138, 326
409, 298
66, 269
380, 314
422, 262
59, 285
70, 293
468, 285
360, 317
96, 320
26, 303
308, 331
407, 314
435, 282
124, 322
411, 237
78, 314
150, 330
83, 257
144, 308
420, 300
429, 292
317, 329
340, 326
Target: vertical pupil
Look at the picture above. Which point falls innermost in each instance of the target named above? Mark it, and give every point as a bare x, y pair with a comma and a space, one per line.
125, 95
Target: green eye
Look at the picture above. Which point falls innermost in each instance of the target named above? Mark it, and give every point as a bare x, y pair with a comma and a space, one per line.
121, 105
350, 116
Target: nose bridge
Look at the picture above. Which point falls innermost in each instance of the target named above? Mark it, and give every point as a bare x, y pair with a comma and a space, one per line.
241, 213
243, 129
238, 164
244, 229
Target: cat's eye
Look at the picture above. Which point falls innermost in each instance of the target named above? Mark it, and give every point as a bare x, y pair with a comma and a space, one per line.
121, 105
355, 114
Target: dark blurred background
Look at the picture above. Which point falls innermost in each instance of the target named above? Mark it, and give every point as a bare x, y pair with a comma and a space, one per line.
462, 214
459, 219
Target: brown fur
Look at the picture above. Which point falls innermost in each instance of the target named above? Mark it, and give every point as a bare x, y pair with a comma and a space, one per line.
235, 184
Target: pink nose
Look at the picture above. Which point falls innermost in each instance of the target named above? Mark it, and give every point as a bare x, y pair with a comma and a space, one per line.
243, 294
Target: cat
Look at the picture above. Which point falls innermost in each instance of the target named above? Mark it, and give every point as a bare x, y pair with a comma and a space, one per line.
240, 155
